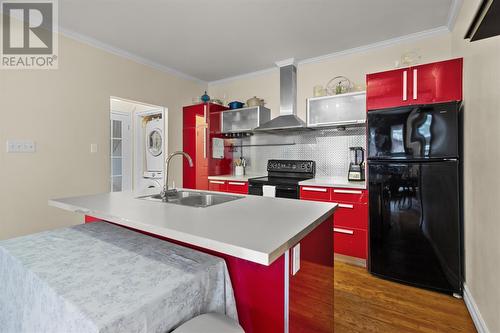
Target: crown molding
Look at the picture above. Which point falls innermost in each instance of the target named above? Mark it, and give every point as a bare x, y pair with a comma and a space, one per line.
379, 45
477, 318
456, 5
285, 62
127, 55
386, 43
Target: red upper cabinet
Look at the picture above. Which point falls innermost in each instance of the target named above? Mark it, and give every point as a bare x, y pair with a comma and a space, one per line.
189, 146
194, 142
200, 126
387, 89
218, 166
437, 82
189, 114
424, 84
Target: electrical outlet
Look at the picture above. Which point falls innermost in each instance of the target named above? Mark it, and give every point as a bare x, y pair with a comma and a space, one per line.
21, 146
93, 147
296, 259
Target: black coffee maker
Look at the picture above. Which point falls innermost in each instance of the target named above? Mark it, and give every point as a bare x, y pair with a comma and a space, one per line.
357, 164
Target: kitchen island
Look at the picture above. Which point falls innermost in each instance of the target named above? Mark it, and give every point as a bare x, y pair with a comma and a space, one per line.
276, 250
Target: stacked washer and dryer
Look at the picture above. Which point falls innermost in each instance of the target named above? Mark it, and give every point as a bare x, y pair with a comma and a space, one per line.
150, 151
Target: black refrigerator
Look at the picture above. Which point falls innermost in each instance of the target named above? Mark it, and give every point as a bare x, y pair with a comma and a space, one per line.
415, 201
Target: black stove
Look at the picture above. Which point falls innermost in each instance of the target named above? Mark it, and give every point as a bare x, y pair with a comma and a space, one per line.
285, 175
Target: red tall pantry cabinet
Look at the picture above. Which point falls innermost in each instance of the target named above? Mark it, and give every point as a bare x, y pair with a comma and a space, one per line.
201, 124
436, 82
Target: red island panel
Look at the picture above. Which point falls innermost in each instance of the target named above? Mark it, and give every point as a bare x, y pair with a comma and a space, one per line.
271, 298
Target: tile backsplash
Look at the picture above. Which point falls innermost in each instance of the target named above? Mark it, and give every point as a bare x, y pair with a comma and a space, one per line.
328, 147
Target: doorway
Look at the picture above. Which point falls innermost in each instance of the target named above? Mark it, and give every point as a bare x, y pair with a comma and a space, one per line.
138, 144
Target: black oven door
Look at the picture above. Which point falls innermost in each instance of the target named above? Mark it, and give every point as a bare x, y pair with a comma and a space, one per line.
254, 189
287, 191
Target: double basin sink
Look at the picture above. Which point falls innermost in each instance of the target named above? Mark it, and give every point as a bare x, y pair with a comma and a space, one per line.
192, 198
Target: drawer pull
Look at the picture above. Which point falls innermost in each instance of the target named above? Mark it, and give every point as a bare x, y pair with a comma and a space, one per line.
346, 206
347, 191
216, 182
315, 189
235, 183
405, 85
415, 84
343, 231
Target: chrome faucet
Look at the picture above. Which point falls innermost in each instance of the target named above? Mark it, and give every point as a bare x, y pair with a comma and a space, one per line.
166, 192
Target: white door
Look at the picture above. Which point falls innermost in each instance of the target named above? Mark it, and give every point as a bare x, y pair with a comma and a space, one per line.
121, 152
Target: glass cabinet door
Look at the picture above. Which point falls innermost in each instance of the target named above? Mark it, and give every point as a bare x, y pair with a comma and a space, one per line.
244, 120
339, 110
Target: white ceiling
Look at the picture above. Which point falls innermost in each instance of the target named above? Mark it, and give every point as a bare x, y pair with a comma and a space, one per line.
216, 39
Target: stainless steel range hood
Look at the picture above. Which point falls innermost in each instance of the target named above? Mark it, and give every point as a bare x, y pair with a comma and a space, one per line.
287, 120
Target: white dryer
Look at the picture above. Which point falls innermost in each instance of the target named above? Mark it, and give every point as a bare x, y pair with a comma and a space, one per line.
154, 148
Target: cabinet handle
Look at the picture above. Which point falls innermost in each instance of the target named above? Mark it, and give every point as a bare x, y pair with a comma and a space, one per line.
204, 142
205, 131
315, 189
343, 231
405, 85
236, 183
347, 191
346, 206
216, 182
415, 83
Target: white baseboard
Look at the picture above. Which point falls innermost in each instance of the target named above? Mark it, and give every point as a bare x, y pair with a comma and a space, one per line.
474, 311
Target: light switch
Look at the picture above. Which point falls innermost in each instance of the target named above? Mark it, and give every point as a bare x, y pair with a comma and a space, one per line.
93, 147
29, 147
296, 259
21, 146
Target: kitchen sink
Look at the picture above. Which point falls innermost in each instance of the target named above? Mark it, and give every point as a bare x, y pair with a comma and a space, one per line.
192, 198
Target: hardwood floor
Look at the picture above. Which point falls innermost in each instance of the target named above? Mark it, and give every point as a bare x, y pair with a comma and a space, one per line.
364, 303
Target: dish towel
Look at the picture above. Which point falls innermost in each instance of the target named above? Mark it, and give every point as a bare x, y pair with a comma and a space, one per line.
269, 191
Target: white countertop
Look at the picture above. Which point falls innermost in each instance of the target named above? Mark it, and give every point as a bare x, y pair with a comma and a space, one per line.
254, 228
243, 178
333, 182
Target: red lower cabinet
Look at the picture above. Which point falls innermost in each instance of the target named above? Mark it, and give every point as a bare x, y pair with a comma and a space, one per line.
217, 185
229, 186
315, 193
352, 215
349, 195
350, 219
237, 187
350, 242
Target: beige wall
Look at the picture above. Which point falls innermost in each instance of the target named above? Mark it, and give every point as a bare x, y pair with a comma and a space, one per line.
482, 158
354, 66
64, 111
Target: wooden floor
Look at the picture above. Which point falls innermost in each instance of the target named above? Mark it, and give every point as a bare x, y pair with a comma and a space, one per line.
364, 303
